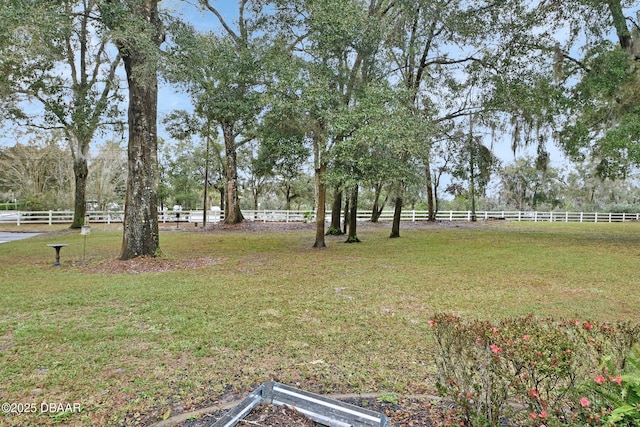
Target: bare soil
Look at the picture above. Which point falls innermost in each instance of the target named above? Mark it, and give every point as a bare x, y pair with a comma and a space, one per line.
406, 412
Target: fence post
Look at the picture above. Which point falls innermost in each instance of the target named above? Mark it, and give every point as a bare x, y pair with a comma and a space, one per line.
413, 216
450, 215
609, 217
50, 217
596, 218
19, 215
535, 216
623, 216
566, 217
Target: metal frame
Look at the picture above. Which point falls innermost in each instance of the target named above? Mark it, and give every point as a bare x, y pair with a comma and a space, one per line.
328, 412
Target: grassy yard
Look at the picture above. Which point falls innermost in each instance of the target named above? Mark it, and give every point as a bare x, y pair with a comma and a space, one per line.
223, 311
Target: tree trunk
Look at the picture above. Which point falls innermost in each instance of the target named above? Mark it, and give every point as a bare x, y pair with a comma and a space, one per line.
233, 215
430, 195
472, 190
288, 197
397, 211
376, 211
352, 237
345, 213
205, 197
80, 171
336, 207
436, 201
620, 24
321, 196
140, 237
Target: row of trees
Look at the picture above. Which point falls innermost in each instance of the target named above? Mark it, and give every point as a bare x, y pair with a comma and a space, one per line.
38, 175
377, 93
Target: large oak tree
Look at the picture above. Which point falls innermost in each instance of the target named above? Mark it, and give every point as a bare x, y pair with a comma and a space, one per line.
136, 27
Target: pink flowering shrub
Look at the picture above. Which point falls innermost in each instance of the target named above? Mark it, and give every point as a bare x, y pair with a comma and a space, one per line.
470, 366
528, 370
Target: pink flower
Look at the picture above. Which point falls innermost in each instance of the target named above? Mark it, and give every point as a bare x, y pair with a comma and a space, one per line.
533, 393
495, 348
526, 337
533, 416
543, 425
599, 379
588, 326
543, 415
617, 380
432, 322
584, 402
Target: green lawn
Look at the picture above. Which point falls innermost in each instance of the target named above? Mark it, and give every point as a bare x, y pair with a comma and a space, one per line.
257, 306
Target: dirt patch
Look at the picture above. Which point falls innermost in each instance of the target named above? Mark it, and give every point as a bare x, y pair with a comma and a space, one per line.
274, 416
258, 226
152, 265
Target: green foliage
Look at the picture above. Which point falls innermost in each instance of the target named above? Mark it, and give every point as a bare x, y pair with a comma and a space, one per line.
538, 363
388, 397
524, 186
606, 114
220, 72
182, 165
613, 394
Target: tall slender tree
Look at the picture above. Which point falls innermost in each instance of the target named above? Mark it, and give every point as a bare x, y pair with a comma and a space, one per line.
56, 55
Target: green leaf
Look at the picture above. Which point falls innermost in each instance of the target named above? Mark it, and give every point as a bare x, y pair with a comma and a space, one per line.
167, 414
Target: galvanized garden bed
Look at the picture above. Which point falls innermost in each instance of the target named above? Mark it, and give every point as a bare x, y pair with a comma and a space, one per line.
325, 411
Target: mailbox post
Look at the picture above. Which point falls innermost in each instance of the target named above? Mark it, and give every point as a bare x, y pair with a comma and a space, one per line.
86, 229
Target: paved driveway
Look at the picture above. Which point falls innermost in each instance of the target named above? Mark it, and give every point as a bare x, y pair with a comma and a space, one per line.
7, 236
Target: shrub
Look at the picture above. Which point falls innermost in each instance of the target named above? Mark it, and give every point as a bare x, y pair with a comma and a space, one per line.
527, 369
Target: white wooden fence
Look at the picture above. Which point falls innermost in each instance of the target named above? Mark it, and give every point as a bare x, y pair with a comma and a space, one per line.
108, 217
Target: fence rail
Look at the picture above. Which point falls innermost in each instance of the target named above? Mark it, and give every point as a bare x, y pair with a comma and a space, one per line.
61, 217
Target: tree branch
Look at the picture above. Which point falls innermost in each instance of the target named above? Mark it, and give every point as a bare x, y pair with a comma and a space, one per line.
221, 20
